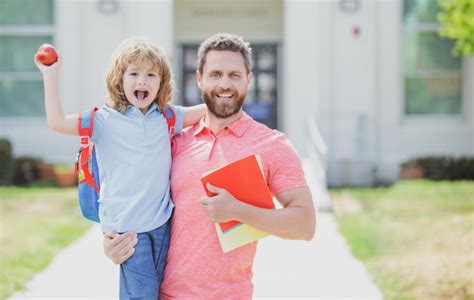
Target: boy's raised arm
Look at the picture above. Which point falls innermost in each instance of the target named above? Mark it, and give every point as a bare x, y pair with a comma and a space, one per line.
54, 111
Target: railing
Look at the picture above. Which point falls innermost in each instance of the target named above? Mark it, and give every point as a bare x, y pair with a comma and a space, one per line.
315, 145
317, 151
354, 155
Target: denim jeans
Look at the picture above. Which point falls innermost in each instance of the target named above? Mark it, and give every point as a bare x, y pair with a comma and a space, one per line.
142, 273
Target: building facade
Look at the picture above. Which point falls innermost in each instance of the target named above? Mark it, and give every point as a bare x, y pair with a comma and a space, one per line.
371, 78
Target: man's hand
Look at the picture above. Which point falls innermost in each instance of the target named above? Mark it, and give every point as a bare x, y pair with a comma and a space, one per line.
222, 207
119, 247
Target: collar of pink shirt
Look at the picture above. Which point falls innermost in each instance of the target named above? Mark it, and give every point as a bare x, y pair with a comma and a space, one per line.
237, 128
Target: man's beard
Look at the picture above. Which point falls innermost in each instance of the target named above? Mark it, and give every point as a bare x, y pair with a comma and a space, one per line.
222, 110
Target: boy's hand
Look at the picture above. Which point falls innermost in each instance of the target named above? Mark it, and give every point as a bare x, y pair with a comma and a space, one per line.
48, 69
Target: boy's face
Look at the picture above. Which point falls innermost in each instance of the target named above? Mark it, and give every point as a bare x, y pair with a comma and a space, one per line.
141, 82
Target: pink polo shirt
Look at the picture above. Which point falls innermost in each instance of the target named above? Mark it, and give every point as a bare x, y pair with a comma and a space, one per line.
196, 266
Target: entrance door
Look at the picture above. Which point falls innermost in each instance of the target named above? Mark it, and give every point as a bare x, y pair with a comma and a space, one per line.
262, 95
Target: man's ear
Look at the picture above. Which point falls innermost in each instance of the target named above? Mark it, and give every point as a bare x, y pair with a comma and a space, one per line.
249, 77
198, 78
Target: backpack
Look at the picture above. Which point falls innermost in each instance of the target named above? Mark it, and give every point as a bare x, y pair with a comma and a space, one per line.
86, 163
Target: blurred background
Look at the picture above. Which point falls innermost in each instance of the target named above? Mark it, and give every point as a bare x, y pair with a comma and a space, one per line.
369, 91
374, 77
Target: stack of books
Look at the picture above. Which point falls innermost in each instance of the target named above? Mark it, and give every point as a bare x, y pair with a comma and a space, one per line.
245, 180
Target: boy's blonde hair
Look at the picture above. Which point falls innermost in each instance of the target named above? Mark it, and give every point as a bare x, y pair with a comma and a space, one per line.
137, 51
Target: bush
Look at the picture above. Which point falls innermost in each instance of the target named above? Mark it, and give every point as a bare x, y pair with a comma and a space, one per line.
444, 167
25, 170
6, 161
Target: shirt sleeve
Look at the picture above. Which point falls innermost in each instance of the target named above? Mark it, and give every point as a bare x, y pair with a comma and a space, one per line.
179, 113
285, 171
99, 121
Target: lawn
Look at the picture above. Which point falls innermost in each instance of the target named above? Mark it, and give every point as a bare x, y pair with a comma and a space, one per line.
416, 238
35, 223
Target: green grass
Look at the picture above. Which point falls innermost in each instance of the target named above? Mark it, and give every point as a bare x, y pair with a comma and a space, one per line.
416, 238
35, 224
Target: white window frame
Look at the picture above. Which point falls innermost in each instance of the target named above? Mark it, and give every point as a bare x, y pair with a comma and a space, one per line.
25, 31
419, 119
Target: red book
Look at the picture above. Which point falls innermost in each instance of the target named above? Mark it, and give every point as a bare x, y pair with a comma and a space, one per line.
244, 179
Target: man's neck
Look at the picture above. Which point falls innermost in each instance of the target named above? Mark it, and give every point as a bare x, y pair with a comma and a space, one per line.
217, 124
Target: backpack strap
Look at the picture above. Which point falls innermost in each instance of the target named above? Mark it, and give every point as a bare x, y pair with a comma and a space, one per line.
85, 128
170, 118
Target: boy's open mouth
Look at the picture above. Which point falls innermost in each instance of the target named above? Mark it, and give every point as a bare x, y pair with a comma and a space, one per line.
140, 94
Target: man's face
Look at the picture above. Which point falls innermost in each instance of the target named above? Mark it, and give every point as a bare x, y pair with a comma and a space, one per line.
224, 82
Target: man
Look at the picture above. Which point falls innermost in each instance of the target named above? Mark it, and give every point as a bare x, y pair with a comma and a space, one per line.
196, 266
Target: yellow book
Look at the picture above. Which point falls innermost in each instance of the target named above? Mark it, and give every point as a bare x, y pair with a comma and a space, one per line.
239, 236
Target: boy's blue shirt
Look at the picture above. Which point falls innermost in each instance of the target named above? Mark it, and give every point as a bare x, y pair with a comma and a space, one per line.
134, 158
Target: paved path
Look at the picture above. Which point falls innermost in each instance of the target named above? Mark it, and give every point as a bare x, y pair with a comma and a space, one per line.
321, 269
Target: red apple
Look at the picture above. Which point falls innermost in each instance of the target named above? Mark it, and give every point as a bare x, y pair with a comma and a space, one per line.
47, 55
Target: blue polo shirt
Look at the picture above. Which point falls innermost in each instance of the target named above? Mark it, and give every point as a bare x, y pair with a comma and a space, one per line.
134, 158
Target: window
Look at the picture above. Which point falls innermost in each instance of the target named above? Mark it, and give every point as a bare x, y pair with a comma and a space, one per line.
24, 26
432, 75
261, 99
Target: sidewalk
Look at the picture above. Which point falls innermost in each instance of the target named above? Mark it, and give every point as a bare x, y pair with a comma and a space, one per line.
320, 269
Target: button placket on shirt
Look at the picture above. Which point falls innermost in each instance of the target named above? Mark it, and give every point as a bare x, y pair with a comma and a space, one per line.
143, 125
137, 114
215, 138
145, 118
212, 140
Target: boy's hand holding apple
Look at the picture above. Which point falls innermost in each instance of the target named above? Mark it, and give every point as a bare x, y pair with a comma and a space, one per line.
47, 59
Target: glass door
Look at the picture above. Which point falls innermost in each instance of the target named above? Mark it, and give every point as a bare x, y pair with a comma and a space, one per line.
262, 95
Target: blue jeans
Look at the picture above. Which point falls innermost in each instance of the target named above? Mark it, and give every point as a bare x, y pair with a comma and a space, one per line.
142, 273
